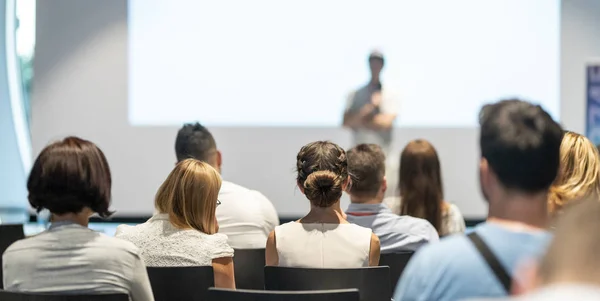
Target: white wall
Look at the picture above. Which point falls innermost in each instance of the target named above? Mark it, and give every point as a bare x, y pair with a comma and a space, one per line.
580, 41
80, 87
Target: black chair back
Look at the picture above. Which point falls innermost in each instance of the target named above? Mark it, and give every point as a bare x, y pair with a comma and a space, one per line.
249, 267
8, 235
373, 283
216, 294
181, 283
397, 262
18, 296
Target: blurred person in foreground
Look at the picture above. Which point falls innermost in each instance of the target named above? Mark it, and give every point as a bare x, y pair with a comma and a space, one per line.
570, 270
246, 216
520, 151
366, 165
578, 175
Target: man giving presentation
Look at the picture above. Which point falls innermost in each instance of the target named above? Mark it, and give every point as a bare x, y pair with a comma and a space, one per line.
371, 109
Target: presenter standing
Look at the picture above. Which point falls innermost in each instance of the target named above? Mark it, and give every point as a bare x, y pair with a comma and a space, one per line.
371, 109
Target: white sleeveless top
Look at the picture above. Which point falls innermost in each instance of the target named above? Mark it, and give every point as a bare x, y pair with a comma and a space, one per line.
323, 245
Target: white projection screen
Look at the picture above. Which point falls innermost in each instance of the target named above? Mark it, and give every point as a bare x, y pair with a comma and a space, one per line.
258, 63
269, 76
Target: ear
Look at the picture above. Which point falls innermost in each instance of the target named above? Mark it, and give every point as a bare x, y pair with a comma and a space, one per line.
384, 185
300, 186
219, 159
346, 184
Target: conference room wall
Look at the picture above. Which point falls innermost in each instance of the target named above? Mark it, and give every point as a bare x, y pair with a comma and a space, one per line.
80, 88
15, 151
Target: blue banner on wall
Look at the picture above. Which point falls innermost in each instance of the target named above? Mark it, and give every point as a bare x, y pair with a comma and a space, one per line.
593, 103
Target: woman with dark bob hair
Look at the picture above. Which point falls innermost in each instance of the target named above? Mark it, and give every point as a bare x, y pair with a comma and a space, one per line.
71, 179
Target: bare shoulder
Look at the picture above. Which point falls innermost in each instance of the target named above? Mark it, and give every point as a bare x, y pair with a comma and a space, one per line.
375, 240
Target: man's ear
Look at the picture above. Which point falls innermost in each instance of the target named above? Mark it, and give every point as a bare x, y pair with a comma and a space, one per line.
219, 159
346, 184
384, 185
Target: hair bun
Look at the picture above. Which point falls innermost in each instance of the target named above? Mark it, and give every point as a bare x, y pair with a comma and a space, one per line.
323, 188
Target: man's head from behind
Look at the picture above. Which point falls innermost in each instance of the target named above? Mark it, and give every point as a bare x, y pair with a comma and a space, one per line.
520, 149
195, 141
366, 165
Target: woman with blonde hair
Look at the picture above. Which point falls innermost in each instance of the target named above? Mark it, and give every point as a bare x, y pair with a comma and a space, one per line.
578, 174
183, 232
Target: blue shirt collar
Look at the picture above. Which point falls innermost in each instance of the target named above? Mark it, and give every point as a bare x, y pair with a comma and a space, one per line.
371, 208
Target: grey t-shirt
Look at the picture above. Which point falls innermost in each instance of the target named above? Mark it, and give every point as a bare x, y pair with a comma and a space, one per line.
389, 105
70, 258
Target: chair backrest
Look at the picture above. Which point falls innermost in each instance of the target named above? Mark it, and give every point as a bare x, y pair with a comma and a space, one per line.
8, 235
373, 283
180, 283
397, 262
19, 296
249, 266
216, 294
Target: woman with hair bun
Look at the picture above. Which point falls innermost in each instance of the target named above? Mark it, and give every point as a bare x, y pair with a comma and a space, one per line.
323, 238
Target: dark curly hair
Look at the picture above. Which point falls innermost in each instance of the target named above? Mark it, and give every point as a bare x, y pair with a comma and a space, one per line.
68, 176
322, 169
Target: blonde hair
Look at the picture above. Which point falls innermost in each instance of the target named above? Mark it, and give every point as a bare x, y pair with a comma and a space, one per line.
578, 174
189, 196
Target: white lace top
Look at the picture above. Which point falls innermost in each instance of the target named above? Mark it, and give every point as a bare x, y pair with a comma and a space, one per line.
161, 244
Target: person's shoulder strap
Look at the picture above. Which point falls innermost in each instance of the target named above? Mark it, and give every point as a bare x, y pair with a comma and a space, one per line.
492, 261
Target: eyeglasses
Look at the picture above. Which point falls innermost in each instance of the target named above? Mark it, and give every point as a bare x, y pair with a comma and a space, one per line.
218, 202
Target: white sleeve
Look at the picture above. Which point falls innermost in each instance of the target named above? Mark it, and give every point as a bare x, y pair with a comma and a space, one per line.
271, 218
219, 247
456, 222
121, 229
390, 102
140, 289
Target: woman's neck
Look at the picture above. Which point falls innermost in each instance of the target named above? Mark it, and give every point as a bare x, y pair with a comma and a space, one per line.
82, 218
328, 215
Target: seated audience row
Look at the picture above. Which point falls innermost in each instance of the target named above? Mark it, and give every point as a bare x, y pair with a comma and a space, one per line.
529, 171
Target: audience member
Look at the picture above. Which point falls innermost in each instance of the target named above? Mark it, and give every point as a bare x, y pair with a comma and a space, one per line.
578, 174
184, 231
421, 191
71, 179
570, 270
366, 165
520, 147
246, 216
323, 238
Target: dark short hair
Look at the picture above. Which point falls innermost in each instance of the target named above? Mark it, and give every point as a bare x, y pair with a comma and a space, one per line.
366, 165
376, 56
194, 141
68, 176
322, 168
521, 144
